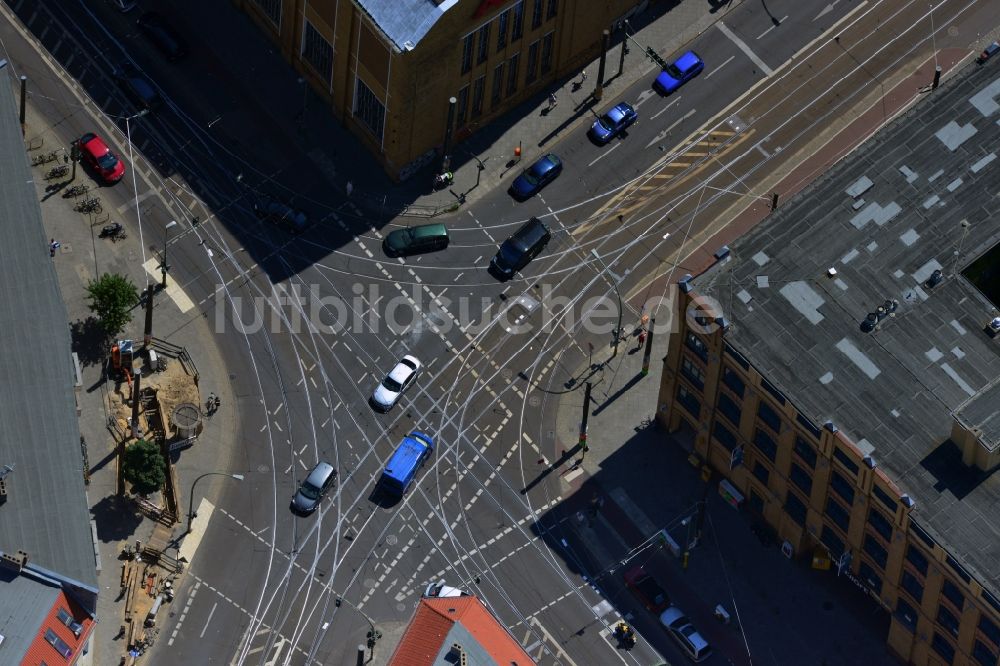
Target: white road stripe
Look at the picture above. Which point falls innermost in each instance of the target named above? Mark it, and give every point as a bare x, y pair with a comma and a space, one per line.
724, 29
773, 26
716, 69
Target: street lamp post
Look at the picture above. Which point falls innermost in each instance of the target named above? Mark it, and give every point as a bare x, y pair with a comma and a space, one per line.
163, 265
618, 293
191, 511
373, 634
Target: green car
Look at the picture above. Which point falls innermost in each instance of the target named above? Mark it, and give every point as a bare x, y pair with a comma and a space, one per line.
415, 240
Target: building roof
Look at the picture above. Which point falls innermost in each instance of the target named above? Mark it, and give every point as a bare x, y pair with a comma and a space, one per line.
406, 22
918, 197
46, 512
440, 623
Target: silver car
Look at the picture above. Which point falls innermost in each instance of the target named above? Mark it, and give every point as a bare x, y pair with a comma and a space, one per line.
313, 488
387, 393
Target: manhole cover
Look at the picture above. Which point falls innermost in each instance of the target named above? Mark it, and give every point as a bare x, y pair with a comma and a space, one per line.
369, 583
391, 540
401, 607
507, 373
534, 401
263, 469
953, 31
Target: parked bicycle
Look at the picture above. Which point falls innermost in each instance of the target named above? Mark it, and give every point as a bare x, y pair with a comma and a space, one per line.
57, 172
76, 191
92, 205
45, 158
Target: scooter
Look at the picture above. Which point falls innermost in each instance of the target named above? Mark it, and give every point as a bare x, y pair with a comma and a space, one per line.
115, 232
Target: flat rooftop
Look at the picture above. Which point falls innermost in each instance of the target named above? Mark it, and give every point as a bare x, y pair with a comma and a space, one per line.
46, 512
922, 195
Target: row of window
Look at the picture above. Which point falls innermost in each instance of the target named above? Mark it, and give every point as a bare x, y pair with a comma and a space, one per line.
539, 53
509, 29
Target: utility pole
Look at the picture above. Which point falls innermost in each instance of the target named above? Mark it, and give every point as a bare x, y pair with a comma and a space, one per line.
164, 267
649, 347
583, 421
24, 100
625, 36
599, 88
147, 333
446, 150
135, 403
74, 157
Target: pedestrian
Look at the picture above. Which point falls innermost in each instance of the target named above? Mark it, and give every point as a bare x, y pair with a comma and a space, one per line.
552, 101
641, 338
217, 403
349, 188
210, 404
583, 77
53, 246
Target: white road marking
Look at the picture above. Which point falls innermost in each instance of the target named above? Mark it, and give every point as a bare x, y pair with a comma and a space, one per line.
716, 69
134, 203
826, 10
210, 614
198, 524
664, 109
773, 26
175, 293
604, 154
643, 96
742, 46
663, 135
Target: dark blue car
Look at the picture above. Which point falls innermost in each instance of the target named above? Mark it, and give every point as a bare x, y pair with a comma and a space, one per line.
540, 174
613, 123
683, 70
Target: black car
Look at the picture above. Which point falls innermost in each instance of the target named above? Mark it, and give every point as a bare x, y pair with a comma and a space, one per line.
281, 215
164, 37
137, 86
517, 251
414, 240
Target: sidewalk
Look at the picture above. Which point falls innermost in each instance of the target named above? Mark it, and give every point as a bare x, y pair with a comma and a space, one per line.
248, 59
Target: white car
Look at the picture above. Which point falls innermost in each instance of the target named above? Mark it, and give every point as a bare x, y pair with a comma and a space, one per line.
387, 393
441, 589
695, 647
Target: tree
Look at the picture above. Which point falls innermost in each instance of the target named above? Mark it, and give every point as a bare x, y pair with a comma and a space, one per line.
112, 297
144, 467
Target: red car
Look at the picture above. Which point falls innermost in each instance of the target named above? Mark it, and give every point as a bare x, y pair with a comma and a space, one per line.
647, 590
97, 154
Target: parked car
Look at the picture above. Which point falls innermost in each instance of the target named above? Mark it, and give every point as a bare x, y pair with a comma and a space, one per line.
647, 590
387, 393
538, 175
695, 647
313, 488
99, 157
137, 86
163, 36
517, 251
680, 72
613, 123
414, 240
282, 215
441, 589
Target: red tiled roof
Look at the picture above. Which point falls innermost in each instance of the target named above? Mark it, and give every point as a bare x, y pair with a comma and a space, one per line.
423, 639
40, 649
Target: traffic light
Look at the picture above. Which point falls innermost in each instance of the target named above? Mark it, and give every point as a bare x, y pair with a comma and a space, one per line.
655, 57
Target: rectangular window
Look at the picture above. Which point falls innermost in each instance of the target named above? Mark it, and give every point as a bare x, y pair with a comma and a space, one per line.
947, 620
271, 9
548, 41
503, 22
732, 379
838, 514
517, 23
59, 644
689, 401
484, 44
761, 472
983, 655
906, 614
536, 14
729, 409
368, 109
317, 52
913, 586
833, 543
842, 487
64, 616
693, 373
724, 436
497, 85
880, 523
951, 592
462, 108
869, 576
467, 43
738, 357
805, 452
512, 74
532, 71
808, 425
884, 498
795, 508
773, 390
478, 91
943, 647
553, 9
801, 478
756, 504
845, 460
989, 629
875, 550
765, 444
769, 416
695, 344
958, 568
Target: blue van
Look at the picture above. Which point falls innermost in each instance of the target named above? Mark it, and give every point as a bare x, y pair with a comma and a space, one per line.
410, 455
